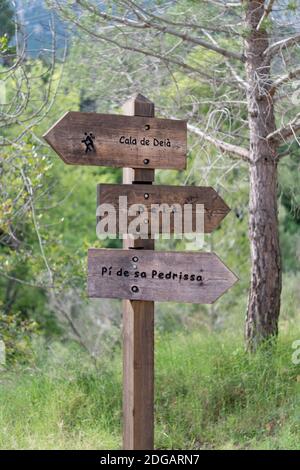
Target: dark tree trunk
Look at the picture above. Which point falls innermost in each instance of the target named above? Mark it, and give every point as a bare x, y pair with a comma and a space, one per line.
264, 297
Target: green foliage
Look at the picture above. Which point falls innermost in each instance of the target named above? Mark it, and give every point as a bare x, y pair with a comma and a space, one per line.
3, 43
64, 197
217, 397
7, 23
292, 5
61, 405
222, 397
7, 31
289, 184
16, 334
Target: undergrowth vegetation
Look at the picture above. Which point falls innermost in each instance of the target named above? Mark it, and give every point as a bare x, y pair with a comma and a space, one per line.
209, 395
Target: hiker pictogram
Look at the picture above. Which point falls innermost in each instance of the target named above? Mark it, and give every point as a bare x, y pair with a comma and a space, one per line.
88, 141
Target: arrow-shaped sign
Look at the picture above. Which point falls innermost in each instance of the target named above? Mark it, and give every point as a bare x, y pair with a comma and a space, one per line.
168, 201
160, 276
119, 141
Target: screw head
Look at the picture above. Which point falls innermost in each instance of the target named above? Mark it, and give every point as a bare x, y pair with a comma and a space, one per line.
135, 259
134, 289
146, 161
146, 195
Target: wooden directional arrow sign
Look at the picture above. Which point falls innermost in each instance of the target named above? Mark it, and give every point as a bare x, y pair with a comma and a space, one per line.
159, 276
119, 141
173, 200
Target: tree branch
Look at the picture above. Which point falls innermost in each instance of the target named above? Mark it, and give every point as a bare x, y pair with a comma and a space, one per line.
25, 283
285, 78
143, 14
29, 188
286, 132
164, 29
234, 150
284, 43
265, 14
242, 83
145, 52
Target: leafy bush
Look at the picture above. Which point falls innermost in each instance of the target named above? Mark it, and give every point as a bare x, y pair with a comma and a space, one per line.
16, 334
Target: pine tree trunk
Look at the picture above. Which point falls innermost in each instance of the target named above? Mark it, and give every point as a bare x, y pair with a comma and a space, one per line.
264, 297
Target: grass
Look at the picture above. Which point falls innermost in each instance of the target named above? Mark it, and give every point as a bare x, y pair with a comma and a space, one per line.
209, 395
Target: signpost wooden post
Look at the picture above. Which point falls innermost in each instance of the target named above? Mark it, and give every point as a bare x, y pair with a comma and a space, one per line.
140, 143
138, 327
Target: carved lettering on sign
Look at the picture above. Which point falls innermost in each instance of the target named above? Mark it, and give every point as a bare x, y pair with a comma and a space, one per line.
107, 271
160, 276
129, 140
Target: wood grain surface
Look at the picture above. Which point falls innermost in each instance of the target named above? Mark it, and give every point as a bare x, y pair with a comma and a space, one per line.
138, 327
159, 276
215, 209
119, 141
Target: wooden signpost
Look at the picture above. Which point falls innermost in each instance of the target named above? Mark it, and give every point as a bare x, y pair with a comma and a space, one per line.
119, 141
140, 144
152, 275
138, 327
215, 208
